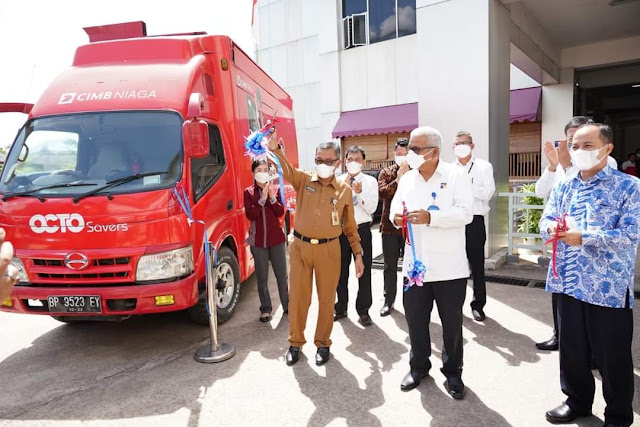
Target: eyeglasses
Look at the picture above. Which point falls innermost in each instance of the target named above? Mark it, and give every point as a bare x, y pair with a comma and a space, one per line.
420, 150
327, 162
455, 144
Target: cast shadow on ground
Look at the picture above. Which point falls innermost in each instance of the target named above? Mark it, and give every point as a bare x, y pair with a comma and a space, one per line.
495, 337
374, 340
349, 402
89, 364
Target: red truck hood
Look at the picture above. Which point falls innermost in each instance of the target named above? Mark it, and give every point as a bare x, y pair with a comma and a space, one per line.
129, 220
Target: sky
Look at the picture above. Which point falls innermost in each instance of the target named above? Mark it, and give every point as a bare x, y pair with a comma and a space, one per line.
38, 38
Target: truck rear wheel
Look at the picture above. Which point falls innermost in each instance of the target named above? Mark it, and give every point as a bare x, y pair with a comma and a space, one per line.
227, 289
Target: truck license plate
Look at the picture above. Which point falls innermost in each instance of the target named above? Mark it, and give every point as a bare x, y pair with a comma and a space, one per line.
74, 304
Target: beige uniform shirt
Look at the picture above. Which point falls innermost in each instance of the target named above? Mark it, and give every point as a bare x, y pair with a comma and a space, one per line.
315, 202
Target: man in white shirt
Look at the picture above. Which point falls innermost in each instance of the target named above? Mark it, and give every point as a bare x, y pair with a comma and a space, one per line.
559, 169
484, 186
365, 202
439, 200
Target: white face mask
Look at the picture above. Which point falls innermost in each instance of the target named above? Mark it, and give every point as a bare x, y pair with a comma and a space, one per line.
415, 161
461, 151
585, 160
400, 160
262, 177
354, 168
324, 171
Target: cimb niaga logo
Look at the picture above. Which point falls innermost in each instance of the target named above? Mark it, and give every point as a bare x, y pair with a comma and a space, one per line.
72, 223
70, 97
67, 98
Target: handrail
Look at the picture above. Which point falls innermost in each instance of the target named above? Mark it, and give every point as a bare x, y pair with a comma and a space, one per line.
514, 207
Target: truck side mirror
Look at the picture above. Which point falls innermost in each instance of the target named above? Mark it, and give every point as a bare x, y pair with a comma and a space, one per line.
195, 136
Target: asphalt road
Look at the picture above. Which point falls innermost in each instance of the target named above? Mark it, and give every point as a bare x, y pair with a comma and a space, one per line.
141, 372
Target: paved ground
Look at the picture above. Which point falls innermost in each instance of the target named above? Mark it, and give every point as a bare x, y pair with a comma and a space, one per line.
141, 372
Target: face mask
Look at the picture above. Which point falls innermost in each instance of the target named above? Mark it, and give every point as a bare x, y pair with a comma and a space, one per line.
261, 177
461, 151
585, 160
354, 168
400, 160
415, 161
324, 171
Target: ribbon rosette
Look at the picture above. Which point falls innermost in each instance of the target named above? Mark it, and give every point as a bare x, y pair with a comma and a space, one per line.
417, 268
256, 144
256, 147
562, 226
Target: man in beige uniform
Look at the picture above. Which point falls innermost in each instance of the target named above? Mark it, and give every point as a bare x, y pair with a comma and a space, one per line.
324, 210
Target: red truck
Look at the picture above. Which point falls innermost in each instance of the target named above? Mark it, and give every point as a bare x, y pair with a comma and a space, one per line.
88, 190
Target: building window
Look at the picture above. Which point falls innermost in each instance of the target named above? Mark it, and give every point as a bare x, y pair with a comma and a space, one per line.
372, 21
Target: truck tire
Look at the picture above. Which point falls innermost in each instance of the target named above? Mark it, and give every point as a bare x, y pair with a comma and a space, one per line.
227, 283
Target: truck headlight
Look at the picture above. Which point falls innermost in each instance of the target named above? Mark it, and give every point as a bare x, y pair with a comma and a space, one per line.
22, 273
165, 265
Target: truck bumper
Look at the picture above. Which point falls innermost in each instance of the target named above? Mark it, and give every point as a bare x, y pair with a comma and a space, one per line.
122, 300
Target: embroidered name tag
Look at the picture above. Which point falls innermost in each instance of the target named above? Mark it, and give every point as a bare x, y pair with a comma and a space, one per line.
313, 190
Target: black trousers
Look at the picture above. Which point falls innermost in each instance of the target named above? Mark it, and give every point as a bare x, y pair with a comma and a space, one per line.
476, 236
554, 307
418, 302
363, 301
587, 329
392, 248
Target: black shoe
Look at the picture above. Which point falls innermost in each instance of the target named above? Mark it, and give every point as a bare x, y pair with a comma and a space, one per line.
455, 387
550, 344
339, 316
478, 315
563, 414
386, 310
412, 380
292, 356
265, 319
365, 320
322, 356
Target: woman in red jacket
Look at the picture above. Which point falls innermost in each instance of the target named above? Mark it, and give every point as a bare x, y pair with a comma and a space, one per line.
263, 208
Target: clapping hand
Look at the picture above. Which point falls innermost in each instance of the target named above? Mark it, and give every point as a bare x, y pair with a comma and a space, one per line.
552, 155
273, 191
356, 187
404, 168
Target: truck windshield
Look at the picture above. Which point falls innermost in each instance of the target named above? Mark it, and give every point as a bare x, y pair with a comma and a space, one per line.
90, 150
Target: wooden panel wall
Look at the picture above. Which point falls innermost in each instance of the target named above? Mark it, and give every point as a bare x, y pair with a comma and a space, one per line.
377, 147
525, 137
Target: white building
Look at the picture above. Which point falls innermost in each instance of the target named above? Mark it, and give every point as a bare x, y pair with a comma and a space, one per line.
359, 71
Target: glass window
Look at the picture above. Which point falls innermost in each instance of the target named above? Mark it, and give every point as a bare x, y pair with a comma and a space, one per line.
382, 20
252, 114
205, 172
90, 150
406, 17
349, 7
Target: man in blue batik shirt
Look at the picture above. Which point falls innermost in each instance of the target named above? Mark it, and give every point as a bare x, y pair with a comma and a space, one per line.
595, 261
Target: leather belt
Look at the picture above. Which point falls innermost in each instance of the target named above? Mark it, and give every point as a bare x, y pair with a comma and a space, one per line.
365, 224
312, 241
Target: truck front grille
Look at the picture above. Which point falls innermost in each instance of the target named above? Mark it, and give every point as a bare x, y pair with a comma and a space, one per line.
98, 271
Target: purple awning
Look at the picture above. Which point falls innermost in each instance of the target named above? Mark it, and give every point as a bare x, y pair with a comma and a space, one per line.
376, 121
525, 105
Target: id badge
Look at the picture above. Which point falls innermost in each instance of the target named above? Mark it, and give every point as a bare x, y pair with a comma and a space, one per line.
335, 220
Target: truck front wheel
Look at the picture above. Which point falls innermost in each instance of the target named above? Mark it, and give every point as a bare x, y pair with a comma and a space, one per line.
226, 282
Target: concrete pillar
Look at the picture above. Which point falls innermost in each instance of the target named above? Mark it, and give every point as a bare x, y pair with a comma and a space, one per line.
463, 63
557, 108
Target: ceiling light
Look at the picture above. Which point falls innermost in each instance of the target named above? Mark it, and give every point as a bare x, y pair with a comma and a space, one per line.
620, 2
